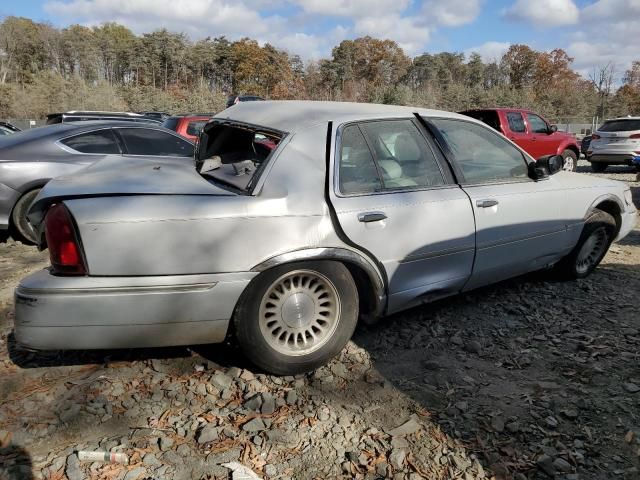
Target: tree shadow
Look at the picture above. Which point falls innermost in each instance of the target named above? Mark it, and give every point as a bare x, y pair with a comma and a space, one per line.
15, 463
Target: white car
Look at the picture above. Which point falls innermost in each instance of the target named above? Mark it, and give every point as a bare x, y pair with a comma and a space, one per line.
616, 142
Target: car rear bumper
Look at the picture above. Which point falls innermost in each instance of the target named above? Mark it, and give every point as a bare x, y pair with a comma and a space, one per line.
70, 313
8, 198
612, 158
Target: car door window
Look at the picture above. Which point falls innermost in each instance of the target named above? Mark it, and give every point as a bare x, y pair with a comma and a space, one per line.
482, 155
516, 122
147, 141
194, 128
97, 142
403, 157
537, 124
357, 170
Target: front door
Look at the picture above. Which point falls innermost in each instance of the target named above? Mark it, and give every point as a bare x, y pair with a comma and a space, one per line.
521, 224
395, 198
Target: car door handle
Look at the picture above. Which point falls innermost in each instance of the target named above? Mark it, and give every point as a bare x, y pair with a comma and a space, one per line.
371, 217
487, 203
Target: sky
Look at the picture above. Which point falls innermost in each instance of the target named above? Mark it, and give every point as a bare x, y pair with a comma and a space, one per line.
593, 32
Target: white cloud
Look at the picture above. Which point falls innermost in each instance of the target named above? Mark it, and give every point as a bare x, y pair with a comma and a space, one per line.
544, 13
405, 30
353, 8
489, 51
451, 13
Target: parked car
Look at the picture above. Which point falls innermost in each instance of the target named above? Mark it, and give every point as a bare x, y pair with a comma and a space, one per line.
188, 125
584, 145
78, 116
361, 210
616, 142
233, 99
29, 159
531, 132
7, 128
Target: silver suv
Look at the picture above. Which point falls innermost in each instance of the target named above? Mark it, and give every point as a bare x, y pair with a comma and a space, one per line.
616, 142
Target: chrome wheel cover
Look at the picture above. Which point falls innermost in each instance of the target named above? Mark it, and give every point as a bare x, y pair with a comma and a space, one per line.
568, 164
299, 312
591, 251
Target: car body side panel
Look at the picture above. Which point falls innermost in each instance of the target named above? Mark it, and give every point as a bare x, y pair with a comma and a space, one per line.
8, 198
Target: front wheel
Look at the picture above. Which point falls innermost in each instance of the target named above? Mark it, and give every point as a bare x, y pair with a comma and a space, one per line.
597, 234
570, 161
295, 318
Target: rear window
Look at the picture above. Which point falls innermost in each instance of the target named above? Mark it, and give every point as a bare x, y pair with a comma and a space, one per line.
623, 125
171, 123
97, 142
490, 117
234, 155
194, 128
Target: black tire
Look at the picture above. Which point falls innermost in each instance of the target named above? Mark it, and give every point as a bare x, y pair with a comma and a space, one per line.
570, 158
251, 308
598, 167
599, 227
19, 217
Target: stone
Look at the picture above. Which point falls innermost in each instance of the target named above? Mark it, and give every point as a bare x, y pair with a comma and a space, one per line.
151, 460
292, 397
631, 387
72, 470
268, 404
135, 474
254, 425
551, 422
545, 463
431, 365
562, 465
253, 403
209, 433
183, 450
473, 347
165, 443
221, 381
172, 457
397, 458
270, 470
497, 424
407, 428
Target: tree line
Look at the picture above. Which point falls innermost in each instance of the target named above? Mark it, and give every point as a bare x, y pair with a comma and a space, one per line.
107, 67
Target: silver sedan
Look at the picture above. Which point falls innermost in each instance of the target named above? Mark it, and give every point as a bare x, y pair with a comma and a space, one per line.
298, 219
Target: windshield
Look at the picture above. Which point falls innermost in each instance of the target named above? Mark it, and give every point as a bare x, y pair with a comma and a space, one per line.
234, 154
622, 125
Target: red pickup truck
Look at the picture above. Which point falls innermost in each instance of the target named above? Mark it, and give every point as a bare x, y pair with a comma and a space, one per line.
531, 132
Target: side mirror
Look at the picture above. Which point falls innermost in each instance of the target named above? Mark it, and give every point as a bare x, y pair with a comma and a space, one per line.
553, 129
545, 166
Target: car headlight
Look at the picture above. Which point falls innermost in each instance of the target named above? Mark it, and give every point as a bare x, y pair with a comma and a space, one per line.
628, 198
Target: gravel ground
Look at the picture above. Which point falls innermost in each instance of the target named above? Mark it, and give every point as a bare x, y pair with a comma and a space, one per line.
528, 379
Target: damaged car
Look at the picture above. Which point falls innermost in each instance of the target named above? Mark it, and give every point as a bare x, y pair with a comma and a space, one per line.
298, 219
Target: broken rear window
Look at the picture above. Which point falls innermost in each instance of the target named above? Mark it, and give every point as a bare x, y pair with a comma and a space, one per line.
234, 155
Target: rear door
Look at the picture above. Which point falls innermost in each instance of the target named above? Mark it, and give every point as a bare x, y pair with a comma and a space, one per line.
521, 224
543, 141
395, 198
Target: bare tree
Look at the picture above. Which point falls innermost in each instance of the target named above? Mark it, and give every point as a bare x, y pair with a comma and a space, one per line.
602, 81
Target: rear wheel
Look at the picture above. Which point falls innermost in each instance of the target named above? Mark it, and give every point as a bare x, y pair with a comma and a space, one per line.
295, 318
570, 161
598, 167
597, 235
19, 217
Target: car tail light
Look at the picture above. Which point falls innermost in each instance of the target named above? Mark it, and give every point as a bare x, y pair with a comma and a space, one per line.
595, 137
635, 136
64, 249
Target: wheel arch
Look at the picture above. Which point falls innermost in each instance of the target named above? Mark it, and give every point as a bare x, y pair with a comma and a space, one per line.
26, 189
369, 281
611, 205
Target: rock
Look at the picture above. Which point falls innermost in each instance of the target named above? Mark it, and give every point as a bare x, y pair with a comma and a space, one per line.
253, 403
72, 470
473, 347
431, 365
497, 424
135, 473
631, 387
221, 381
551, 421
457, 341
570, 413
268, 404
462, 406
151, 460
209, 433
292, 397
382, 469
397, 458
172, 457
545, 463
562, 465
165, 443
407, 428
324, 414
513, 427
255, 425
270, 470
70, 413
